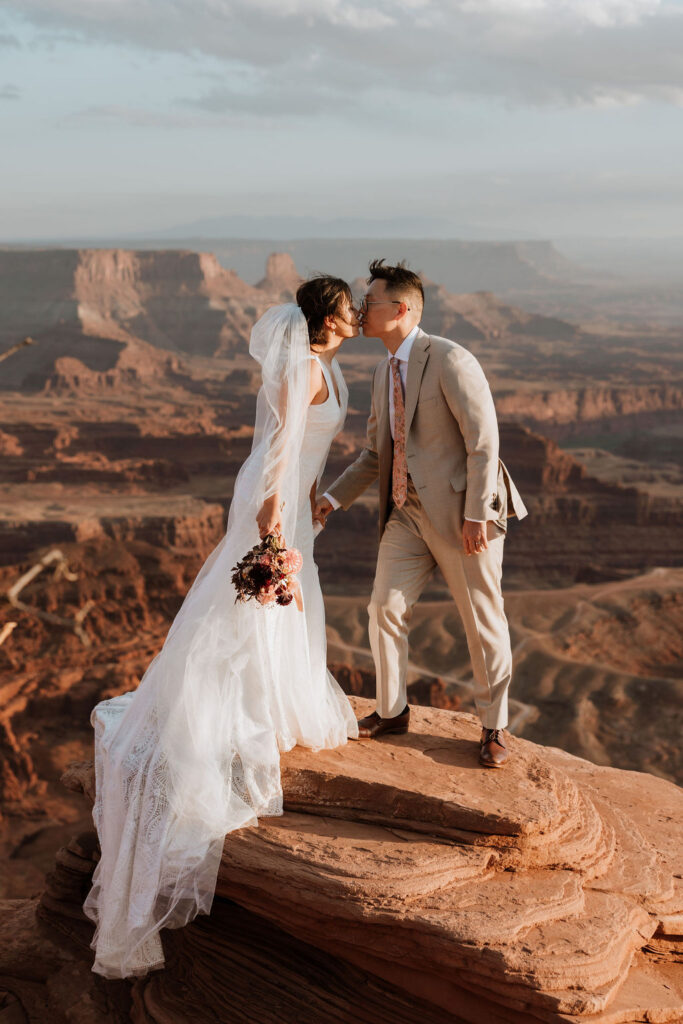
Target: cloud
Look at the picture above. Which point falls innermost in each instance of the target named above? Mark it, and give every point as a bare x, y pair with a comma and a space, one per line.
136, 117
8, 42
211, 111
9, 92
297, 55
601, 13
267, 101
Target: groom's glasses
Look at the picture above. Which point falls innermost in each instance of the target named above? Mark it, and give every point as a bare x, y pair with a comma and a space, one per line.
363, 304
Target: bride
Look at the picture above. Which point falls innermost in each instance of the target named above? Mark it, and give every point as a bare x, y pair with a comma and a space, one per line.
193, 753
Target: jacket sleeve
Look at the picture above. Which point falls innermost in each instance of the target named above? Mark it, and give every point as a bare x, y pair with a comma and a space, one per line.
469, 399
357, 477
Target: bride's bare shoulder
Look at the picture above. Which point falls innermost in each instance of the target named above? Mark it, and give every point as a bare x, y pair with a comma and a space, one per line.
317, 385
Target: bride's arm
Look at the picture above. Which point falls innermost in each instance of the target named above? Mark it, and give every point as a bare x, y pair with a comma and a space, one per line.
268, 516
357, 477
313, 497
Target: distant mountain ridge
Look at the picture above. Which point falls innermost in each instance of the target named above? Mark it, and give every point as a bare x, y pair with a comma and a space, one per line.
460, 266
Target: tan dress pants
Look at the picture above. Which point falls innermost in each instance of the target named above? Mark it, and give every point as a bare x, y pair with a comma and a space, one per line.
409, 551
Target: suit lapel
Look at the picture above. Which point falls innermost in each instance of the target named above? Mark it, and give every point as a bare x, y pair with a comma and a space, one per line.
419, 354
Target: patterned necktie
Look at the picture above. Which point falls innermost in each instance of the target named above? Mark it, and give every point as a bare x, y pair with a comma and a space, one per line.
399, 479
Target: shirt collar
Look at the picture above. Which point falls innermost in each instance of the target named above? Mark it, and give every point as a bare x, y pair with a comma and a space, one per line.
403, 350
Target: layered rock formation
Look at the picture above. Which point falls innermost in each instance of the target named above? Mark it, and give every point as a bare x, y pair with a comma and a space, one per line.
106, 315
415, 885
475, 316
572, 507
568, 411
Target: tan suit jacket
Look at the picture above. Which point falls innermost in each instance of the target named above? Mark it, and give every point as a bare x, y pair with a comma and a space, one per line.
451, 442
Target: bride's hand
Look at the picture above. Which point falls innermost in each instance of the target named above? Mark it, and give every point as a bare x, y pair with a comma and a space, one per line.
321, 511
268, 516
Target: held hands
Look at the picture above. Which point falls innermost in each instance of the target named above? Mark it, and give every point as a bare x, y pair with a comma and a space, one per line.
474, 537
321, 511
268, 516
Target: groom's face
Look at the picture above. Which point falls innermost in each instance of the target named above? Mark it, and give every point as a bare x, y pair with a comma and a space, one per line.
378, 311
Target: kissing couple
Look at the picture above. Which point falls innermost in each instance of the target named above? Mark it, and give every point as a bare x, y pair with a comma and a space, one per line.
194, 752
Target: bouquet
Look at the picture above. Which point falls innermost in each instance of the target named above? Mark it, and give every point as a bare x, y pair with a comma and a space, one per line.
267, 573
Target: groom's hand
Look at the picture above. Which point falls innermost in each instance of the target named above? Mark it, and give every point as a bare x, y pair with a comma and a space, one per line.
474, 537
322, 510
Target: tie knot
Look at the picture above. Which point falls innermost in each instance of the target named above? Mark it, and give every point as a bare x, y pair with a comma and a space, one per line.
394, 361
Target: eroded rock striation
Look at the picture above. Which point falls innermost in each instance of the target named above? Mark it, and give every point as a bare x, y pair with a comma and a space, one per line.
404, 882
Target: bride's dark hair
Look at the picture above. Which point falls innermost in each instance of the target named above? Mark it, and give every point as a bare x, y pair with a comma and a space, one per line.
319, 297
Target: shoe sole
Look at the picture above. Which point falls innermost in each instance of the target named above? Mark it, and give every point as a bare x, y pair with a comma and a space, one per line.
491, 764
386, 732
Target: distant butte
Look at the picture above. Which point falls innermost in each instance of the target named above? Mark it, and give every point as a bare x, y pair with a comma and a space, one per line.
282, 278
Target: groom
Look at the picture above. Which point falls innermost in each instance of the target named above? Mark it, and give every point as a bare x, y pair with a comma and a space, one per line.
445, 499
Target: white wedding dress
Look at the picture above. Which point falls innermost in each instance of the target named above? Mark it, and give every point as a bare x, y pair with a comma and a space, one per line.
193, 753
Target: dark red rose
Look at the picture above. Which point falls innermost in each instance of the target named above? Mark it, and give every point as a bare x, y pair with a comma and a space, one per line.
261, 576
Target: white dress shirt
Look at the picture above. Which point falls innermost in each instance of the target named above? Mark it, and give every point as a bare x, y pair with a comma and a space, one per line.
403, 355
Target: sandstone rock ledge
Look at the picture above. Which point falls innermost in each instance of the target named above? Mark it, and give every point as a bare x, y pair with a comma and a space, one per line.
405, 883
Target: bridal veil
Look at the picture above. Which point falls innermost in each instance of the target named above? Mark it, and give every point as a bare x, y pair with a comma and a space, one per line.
191, 755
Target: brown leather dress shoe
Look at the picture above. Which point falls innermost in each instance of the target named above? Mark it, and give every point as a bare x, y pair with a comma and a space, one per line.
493, 752
372, 725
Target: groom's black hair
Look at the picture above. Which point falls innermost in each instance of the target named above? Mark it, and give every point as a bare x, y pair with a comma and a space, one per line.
399, 279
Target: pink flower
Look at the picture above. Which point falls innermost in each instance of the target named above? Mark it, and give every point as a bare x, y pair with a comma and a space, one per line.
292, 561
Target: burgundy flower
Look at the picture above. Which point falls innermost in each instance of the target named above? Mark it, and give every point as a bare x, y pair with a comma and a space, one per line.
261, 576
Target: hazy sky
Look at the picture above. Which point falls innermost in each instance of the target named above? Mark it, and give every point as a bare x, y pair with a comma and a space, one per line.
538, 118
